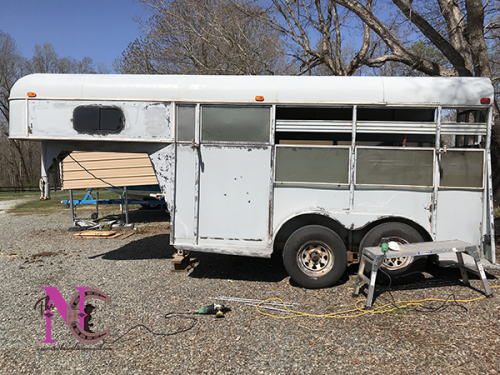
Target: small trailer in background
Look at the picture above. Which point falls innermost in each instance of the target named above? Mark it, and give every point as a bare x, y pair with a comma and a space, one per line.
315, 167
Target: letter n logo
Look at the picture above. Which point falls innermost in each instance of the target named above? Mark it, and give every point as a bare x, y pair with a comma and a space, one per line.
73, 313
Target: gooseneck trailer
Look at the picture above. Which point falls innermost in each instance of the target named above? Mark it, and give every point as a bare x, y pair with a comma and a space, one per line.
315, 167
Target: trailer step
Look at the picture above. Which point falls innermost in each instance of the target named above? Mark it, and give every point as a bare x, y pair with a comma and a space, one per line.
376, 257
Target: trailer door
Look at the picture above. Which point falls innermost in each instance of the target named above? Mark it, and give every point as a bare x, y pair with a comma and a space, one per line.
235, 179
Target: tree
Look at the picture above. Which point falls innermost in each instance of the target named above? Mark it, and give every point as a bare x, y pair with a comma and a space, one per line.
46, 60
461, 31
16, 157
20, 160
315, 30
419, 48
203, 37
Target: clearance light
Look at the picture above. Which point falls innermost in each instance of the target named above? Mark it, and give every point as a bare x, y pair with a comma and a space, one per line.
259, 98
485, 100
33, 94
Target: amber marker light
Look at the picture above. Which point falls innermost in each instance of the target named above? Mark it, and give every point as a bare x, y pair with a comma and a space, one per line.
259, 98
485, 100
31, 94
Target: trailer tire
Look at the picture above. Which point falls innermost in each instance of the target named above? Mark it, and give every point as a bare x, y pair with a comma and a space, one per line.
315, 257
400, 270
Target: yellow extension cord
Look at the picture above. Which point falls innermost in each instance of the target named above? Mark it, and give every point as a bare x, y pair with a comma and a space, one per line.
377, 310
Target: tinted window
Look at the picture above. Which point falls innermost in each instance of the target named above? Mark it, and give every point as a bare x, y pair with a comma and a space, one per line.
312, 165
94, 119
185, 123
389, 167
236, 124
462, 169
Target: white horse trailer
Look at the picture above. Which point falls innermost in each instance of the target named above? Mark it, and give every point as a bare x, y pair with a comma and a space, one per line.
316, 167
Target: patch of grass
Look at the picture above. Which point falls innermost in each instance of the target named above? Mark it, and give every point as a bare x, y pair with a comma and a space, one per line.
26, 194
496, 211
399, 313
38, 207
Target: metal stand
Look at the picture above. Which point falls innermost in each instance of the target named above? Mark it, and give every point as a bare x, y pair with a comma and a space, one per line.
376, 257
72, 207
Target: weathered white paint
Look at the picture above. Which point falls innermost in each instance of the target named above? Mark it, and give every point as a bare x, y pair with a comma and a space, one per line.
369, 205
234, 196
186, 186
54, 118
221, 195
459, 216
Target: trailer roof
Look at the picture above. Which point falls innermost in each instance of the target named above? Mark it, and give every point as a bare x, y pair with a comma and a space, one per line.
452, 91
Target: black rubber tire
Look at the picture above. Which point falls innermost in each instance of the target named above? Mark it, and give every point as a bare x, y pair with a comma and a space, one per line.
323, 257
401, 233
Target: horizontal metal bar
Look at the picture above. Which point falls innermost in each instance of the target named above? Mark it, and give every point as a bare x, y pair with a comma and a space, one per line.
462, 128
401, 127
364, 278
313, 126
111, 201
340, 185
340, 126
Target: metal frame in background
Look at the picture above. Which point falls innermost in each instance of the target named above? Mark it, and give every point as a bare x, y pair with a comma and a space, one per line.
89, 199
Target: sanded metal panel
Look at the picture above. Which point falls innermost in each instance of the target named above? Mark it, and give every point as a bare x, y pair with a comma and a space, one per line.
290, 200
143, 120
459, 216
234, 195
163, 161
185, 195
369, 205
116, 169
413, 204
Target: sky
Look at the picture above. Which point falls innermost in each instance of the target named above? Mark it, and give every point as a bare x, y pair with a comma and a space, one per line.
99, 29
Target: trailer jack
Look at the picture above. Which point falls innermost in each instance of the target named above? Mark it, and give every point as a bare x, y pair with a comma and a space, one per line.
181, 261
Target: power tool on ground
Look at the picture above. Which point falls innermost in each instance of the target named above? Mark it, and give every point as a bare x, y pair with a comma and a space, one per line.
217, 309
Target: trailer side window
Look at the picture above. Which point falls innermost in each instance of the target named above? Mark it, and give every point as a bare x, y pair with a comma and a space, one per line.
185, 123
317, 165
394, 167
462, 169
96, 119
235, 124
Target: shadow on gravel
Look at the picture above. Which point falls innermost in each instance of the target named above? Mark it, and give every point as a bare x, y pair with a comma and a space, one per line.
437, 277
141, 216
210, 266
216, 266
232, 267
152, 247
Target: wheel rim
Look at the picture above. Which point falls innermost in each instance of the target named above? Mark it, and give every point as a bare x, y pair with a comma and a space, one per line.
397, 263
315, 259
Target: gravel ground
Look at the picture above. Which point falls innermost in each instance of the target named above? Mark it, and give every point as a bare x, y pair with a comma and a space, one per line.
38, 250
